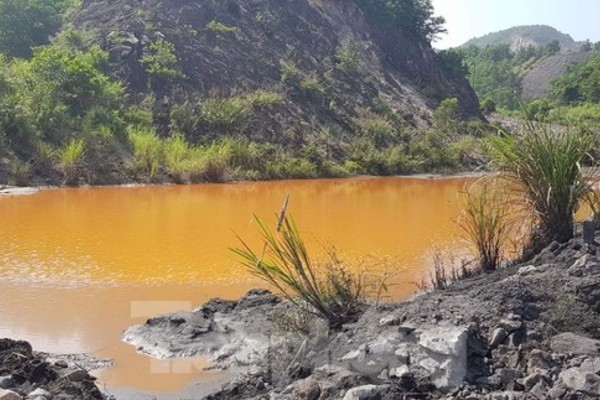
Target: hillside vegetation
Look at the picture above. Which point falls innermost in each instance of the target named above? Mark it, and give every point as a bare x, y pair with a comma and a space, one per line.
191, 91
540, 80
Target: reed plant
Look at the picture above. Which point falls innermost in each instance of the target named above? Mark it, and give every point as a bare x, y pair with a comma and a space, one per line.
147, 150
486, 223
544, 170
327, 289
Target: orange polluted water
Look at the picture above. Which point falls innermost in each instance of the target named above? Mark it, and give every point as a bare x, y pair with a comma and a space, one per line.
78, 266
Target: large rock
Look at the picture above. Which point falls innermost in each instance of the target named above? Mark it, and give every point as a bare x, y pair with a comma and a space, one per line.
6, 382
586, 265
9, 395
446, 355
367, 392
306, 389
581, 381
570, 343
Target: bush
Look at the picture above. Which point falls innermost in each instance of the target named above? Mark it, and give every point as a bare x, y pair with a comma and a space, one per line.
329, 290
264, 98
227, 114
70, 157
485, 223
544, 168
147, 150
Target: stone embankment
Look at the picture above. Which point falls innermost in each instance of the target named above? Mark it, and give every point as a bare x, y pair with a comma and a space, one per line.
526, 332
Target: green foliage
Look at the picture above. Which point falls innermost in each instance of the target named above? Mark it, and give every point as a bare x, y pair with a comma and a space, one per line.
25, 24
264, 98
289, 72
580, 84
544, 168
329, 291
160, 60
347, 57
147, 150
310, 84
414, 16
485, 223
218, 27
488, 106
226, 114
70, 157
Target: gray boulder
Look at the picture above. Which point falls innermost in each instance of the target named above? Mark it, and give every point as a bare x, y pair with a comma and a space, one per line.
570, 343
446, 355
584, 266
581, 381
367, 392
9, 395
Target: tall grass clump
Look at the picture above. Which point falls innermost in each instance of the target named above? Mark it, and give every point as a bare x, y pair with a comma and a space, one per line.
70, 157
544, 169
147, 150
485, 223
328, 290
228, 114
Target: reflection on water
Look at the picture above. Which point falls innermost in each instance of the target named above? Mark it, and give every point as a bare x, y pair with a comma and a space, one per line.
72, 261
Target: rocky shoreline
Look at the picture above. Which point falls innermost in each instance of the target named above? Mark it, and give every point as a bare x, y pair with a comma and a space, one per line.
526, 332
25, 374
530, 331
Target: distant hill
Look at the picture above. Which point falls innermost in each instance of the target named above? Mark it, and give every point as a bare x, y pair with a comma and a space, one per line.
520, 37
537, 82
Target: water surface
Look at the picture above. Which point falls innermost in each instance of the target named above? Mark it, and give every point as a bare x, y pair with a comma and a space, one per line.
78, 266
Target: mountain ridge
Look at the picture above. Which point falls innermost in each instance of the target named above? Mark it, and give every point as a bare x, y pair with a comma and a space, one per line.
522, 36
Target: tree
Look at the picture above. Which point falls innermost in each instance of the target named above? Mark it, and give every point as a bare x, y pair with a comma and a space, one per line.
412, 16
586, 46
25, 24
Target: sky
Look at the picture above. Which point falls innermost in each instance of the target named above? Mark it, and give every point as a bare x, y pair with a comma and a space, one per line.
466, 19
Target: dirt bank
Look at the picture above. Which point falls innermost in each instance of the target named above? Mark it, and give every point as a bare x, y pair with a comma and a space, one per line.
528, 332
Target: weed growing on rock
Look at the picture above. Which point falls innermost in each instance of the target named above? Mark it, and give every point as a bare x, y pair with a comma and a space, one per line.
327, 289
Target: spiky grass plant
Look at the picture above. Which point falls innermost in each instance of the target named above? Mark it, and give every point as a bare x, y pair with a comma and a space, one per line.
545, 170
70, 157
328, 290
485, 222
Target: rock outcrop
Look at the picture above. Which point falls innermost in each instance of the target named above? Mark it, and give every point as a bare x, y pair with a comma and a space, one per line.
25, 374
525, 332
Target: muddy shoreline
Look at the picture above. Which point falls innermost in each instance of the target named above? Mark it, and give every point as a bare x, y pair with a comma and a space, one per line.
8, 190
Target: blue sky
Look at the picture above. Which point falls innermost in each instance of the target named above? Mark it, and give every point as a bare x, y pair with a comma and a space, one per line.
471, 18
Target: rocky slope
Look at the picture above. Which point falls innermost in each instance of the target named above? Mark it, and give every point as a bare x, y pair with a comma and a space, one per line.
537, 83
525, 332
519, 37
329, 60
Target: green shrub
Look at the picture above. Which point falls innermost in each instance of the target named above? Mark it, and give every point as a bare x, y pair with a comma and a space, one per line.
379, 129
289, 72
218, 27
544, 168
310, 85
227, 114
70, 157
347, 57
329, 290
485, 222
20, 172
264, 98
160, 60
147, 150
